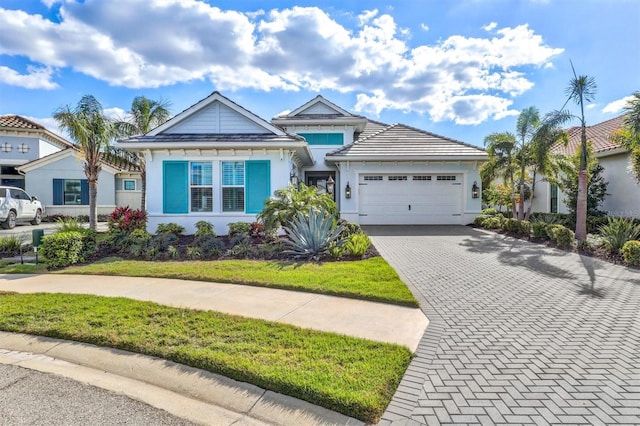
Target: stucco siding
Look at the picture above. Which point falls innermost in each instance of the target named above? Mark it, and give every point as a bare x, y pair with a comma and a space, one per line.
318, 108
350, 173
15, 157
624, 192
280, 167
46, 148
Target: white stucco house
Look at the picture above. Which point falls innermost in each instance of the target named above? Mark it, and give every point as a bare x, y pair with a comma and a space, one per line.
22, 141
219, 162
61, 185
623, 191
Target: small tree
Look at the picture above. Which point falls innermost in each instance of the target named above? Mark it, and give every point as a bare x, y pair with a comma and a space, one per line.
596, 185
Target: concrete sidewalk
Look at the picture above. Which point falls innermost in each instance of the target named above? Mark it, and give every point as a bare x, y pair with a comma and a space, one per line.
369, 320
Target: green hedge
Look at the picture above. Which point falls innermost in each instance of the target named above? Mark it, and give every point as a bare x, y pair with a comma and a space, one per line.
631, 252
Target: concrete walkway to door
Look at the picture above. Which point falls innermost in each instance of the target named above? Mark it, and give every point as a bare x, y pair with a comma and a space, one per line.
519, 333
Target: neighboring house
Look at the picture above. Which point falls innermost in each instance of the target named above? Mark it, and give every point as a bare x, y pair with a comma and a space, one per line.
22, 141
219, 162
61, 185
623, 191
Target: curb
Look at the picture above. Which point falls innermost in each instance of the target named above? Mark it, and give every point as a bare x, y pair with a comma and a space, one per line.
190, 393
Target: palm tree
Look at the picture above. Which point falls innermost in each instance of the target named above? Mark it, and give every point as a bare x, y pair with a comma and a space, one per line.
501, 149
92, 131
526, 126
629, 135
145, 115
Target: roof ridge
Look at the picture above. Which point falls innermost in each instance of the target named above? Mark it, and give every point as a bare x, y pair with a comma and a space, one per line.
26, 120
426, 132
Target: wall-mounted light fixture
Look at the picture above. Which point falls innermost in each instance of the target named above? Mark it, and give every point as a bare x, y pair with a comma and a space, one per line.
347, 191
6, 147
23, 148
293, 178
475, 191
331, 184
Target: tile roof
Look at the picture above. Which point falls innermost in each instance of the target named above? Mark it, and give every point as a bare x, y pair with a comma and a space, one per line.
599, 135
18, 122
370, 128
406, 142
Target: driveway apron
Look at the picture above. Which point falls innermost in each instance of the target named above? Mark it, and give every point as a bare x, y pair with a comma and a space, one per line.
519, 333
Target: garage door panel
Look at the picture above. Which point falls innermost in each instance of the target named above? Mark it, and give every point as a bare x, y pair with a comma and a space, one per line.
421, 201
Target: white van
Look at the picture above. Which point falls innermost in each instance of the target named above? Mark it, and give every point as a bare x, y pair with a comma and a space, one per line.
17, 206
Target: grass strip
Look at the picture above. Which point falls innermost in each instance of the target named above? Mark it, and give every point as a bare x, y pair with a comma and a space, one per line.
370, 279
353, 376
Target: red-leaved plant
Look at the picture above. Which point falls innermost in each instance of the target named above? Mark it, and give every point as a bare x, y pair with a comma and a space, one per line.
127, 220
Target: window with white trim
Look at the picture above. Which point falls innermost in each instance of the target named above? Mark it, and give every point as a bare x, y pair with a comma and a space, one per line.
201, 186
397, 178
450, 177
129, 184
421, 177
370, 178
233, 186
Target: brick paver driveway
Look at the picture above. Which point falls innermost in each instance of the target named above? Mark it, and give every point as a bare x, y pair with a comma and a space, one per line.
517, 334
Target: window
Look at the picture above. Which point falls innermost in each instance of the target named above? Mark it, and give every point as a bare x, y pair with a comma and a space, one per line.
129, 185
20, 195
397, 178
369, 178
323, 138
422, 178
72, 194
201, 185
445, 178
233, 186
554, 198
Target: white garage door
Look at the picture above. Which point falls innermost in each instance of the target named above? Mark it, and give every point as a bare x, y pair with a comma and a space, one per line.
411, 199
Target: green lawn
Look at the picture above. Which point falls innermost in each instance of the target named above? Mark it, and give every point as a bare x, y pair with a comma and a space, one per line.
370, 279
353, 376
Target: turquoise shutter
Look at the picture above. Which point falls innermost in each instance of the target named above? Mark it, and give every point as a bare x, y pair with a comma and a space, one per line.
58, 190
175, 187
84, 192
257, 184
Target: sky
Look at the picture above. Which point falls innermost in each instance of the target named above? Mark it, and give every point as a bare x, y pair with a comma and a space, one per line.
462, 69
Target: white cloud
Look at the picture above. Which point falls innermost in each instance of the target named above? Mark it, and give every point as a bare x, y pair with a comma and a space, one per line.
36, 78
490, 27
155, 43
50, 124
425, 27
617, 106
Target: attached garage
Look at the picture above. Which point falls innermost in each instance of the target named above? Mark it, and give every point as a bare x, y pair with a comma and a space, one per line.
400, 175
410, 199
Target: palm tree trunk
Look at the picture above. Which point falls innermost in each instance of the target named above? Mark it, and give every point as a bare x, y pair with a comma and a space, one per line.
581, 206
533, 190
93, 206
143, 187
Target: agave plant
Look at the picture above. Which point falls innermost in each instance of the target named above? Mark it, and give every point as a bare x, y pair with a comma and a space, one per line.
617, 232
311, 234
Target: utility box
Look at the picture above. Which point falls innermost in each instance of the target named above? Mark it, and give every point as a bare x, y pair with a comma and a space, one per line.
36, 237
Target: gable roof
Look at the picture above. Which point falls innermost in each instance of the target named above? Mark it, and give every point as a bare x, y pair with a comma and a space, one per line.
112, 163
399, 142
17, 125
320, 111
599, 135
212, 98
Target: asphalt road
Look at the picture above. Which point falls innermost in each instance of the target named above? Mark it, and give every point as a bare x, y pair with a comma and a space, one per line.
29, 397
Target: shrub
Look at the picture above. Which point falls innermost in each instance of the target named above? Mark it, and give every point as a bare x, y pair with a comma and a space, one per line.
270, 250
617, 232
69, 224
10, 244
204, 228
193, 253
563, 236
170, 228
288, 203
489, 212
173, 252
510, 225
550, 228
208, 245
239, 239
480, 220
310, 235
160, 243
524, 227
62, 249
239, 228
243, 249
539, 229
125, 219
88, 243
493, 222
631, 252
358, 244
348, 229
257, 230
335, 251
